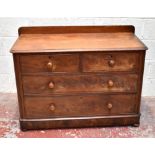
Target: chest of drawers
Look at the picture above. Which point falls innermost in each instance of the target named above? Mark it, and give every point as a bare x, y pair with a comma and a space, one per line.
78, 76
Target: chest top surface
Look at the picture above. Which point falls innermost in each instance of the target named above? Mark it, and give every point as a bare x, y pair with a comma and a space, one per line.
76, 38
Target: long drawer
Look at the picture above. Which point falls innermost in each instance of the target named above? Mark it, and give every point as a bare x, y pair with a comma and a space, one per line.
86, 105
44, 85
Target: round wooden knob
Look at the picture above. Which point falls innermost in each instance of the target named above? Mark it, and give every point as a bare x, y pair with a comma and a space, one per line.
51, 85
50, 65
52, 107
110, 83
111, 63
109, 106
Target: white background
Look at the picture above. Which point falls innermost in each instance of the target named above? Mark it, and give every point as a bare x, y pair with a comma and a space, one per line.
145, 30
75, 12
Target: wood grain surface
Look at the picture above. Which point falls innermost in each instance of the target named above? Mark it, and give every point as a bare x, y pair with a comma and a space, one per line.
79, 84
119, 38
77, 105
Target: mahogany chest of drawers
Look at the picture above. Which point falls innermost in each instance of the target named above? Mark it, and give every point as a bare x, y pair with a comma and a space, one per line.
78, 76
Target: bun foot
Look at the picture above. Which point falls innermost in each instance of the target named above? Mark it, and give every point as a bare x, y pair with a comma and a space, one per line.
136, 125
23, 129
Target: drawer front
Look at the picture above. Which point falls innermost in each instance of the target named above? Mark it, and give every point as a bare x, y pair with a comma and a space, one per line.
49, 63
79, 83
98, 62
89, 105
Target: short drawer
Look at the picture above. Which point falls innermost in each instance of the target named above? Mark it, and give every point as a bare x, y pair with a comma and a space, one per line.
79, 83
49, 63
107, 62
70, 106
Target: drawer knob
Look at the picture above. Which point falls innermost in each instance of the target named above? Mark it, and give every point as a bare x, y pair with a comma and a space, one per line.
110, 83
109, 105
51, 85
50, 65
111, 63
52, 107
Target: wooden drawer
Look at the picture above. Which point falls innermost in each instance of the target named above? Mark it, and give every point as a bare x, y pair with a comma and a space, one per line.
89, 105
107, 62
44, 85
49, 63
